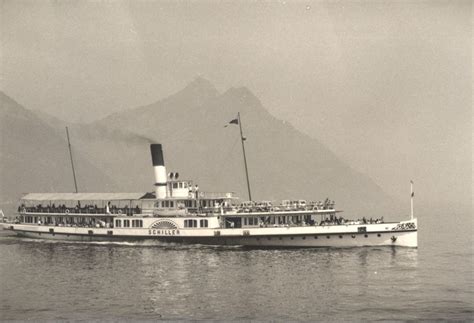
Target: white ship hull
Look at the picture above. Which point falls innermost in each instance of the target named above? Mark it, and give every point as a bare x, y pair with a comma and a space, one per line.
343, 236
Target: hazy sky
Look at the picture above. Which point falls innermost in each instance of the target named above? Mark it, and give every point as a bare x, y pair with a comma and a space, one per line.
385, 84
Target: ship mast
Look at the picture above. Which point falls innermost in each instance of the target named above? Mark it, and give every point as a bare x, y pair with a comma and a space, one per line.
72, 161
242, 139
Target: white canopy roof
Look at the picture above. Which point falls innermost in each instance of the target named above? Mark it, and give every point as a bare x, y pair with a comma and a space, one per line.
82, 196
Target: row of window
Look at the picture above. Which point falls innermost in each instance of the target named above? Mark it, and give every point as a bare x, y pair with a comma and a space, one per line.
251, 221
180, 185
30, 219
194, 223
126, 223
166, 204
317, 237
186, 203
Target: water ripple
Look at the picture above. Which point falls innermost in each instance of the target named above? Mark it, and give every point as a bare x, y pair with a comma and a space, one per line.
54, 280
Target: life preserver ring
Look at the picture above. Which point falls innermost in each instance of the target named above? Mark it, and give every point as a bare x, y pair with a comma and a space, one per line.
67, 211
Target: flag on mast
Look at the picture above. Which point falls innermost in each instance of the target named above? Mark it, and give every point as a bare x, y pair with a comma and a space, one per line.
233, 121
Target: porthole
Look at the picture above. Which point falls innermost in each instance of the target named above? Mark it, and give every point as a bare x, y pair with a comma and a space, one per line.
304, 238
269, 238
340, 237
258, 239
315, 237
379, 235
353, 236
280, 238
291, 238
366, 235
328, 237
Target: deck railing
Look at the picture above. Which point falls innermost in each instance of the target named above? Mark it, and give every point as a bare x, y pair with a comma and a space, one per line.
217, 195
84, 210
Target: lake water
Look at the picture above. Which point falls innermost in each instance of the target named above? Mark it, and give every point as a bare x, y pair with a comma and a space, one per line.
45, 280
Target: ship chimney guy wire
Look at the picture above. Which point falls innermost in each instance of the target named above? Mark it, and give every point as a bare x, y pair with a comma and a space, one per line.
72, 161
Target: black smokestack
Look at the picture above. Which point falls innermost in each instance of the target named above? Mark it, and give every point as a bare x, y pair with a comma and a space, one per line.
159, 170
157, 155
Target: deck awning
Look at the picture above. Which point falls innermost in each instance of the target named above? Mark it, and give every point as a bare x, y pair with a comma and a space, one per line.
82, 196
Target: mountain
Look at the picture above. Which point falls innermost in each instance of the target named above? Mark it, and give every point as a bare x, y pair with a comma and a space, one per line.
283, 162
113, 153
35, 158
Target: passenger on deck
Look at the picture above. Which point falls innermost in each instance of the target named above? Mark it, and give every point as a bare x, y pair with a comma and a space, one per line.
107, 208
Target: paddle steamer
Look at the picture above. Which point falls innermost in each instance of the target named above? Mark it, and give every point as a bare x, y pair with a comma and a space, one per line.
179, 212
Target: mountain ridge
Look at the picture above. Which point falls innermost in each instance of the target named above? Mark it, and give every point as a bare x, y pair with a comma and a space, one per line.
283, 162
205, 137
35, 158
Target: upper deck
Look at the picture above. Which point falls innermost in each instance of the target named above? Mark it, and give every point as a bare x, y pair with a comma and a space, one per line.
145, 204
